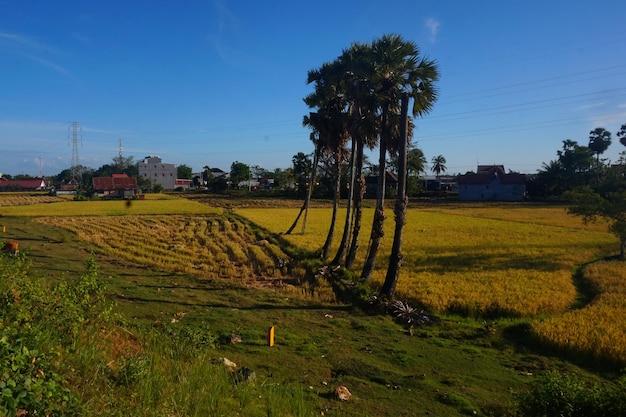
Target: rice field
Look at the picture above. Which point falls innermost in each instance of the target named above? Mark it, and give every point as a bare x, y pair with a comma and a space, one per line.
477, 261
208, 246
598, 329
22, 199
509, 260
157, 204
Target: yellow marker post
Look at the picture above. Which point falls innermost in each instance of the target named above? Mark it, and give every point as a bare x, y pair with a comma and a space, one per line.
270, 337
4, 229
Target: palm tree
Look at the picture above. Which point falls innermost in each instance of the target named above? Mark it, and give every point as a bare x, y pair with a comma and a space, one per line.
362, 125
398, 69
622, 134
395, 259
439, 164
415, 164
599, 141
330, 124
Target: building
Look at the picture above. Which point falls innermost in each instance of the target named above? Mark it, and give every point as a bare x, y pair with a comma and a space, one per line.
491, 183
371, 183
31, 184
116, 186
158, 172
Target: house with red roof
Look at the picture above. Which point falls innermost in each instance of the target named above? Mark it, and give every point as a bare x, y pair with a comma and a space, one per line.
31, 184
491, 183
116, 186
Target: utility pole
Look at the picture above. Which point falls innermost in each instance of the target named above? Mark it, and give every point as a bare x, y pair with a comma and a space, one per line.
74, 132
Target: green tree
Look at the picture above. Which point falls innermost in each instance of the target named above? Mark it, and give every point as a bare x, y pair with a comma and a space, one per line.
415, 165
302, 171
184, 172
239, 172
439, 164
577, 163
607, 202
123, 163
207, 175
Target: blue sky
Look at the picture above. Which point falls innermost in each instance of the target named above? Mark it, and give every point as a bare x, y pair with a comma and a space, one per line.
210, 82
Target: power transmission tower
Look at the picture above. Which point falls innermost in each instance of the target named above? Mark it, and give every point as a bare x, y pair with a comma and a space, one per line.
74, 133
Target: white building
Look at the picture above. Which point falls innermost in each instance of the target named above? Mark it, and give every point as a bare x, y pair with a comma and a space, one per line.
153, 169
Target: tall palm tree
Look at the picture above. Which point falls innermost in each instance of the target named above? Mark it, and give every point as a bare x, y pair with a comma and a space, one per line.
358, 69
439, 164
622, 134
395, 259
599, 142
330, 123
398, 68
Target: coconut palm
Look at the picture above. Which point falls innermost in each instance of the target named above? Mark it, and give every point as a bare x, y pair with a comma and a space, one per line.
439, 164
398, 69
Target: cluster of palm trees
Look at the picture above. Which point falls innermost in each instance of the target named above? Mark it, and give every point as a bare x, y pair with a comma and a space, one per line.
357, 104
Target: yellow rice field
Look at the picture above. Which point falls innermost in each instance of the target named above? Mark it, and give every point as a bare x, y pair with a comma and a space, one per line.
158, 204
598, 329
501, 259
209, 246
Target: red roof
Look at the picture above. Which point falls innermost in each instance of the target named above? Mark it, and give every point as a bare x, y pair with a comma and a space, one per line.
28, 184
488, 173
115, 182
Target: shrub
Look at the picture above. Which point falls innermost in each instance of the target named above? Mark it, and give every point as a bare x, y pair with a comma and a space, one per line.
562, 395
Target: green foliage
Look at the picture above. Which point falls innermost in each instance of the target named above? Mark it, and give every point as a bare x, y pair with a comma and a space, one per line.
28, 381
37, 323
239, 172
562, 395
607, 201
28, 384
184, 171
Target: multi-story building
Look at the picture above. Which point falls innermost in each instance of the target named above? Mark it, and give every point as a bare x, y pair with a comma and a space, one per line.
153, 169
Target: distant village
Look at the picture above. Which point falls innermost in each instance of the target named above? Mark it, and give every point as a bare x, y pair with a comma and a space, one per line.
488, 183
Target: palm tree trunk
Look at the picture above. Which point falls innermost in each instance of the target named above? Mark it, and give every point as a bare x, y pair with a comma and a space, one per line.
336, 197
343, 246
295, 222
395, 259
359, 191
305, 205
377, 232
316, 158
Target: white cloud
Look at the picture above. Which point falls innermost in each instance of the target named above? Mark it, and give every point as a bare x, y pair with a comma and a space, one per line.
433, 27
30, 49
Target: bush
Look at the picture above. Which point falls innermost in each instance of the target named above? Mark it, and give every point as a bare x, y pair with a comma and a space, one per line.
562, 395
